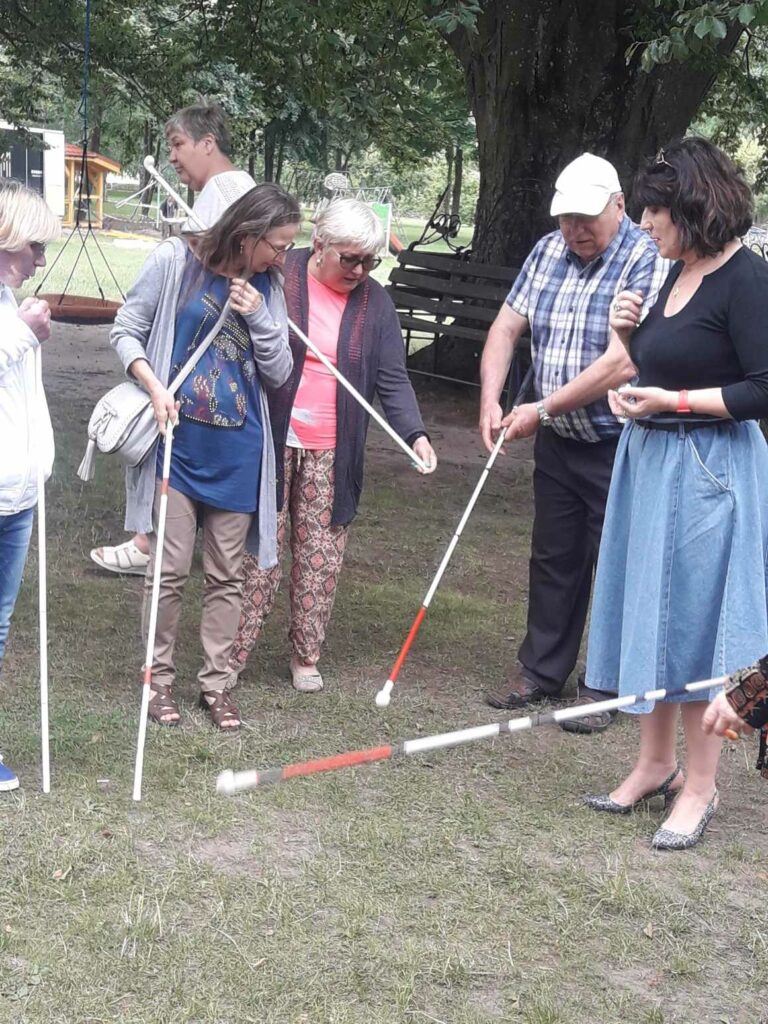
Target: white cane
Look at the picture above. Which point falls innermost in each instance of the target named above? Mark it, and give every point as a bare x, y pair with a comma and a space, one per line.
152, 630
42, 577
149, 165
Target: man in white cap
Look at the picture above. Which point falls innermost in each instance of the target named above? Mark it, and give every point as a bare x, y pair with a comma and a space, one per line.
199, 148
563, 296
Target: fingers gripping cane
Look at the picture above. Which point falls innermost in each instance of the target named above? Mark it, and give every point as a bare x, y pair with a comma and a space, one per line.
229, 782
42, 576
151, 631
384, 695
149, 164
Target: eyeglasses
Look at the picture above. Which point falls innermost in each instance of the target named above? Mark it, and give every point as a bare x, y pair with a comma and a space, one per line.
368, 263
276, 250
38, 249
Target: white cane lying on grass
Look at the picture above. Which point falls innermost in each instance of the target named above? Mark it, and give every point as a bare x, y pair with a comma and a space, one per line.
230, 782
384, 695
42, 577
149, 164
152, 630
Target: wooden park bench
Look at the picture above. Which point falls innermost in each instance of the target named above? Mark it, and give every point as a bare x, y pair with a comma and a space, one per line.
442, 297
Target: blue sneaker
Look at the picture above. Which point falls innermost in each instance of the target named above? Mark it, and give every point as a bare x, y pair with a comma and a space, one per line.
8, 779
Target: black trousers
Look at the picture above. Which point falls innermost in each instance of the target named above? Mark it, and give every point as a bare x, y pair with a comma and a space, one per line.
570, 489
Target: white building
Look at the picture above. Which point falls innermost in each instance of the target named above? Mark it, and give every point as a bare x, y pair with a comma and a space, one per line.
40, 169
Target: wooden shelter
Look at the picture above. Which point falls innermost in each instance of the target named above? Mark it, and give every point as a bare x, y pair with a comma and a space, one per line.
99, 167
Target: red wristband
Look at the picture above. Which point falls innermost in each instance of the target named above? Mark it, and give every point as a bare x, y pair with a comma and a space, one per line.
682, 401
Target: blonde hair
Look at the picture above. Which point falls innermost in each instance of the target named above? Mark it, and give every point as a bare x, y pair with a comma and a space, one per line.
349, 220
24, 217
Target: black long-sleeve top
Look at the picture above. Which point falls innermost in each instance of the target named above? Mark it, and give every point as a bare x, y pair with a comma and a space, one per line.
719, 339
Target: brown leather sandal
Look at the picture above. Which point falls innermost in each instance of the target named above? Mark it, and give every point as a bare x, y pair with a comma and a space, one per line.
221, 708
162, 703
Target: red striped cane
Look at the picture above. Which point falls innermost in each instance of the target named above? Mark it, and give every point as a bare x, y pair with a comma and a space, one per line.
150, 652
230, 782
383, 697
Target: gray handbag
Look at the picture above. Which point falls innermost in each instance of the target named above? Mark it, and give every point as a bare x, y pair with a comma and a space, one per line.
123, 421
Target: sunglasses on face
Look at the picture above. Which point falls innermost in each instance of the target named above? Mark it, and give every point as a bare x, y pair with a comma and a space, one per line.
38, 249
351, 262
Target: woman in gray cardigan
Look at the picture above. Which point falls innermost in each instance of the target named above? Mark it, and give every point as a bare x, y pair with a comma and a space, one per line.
223, 465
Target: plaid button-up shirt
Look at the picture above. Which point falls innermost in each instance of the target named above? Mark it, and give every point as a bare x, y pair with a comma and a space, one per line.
567, 302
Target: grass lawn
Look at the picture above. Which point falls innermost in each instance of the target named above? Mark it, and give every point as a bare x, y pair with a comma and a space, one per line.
462, 887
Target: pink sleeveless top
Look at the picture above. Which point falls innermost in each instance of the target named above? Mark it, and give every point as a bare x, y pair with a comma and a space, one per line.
313, 417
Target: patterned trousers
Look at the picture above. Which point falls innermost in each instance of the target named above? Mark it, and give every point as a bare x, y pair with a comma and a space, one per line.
317, 552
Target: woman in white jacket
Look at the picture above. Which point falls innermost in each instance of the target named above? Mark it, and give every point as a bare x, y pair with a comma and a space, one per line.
26, 438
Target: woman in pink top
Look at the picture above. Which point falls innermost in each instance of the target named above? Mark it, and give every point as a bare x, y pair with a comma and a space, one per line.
320, 430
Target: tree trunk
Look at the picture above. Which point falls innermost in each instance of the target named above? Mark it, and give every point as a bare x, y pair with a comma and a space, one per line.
449, 151
548, 81
269, 151
458, 175
280, 157
252, 153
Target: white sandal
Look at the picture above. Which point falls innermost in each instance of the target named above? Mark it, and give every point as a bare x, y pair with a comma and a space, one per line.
124, 558
306, 679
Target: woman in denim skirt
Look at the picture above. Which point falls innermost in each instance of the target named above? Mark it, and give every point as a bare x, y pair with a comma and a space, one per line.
680, 592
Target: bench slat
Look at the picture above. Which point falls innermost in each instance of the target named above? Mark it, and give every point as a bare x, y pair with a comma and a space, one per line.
460, 268
431, 284
412, 301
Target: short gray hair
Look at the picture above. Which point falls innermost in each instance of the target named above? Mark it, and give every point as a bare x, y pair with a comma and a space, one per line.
202, 119
24, 217
349, 220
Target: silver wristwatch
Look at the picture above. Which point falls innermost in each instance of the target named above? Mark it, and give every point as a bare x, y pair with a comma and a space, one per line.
544, 418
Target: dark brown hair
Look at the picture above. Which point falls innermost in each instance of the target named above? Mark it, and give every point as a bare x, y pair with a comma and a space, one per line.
254, 215
706, 194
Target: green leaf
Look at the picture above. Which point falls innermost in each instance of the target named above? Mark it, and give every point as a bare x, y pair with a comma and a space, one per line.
702, 28
747, 14
719, 29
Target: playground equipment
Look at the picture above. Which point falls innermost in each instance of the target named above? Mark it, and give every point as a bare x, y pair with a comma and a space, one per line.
82, 308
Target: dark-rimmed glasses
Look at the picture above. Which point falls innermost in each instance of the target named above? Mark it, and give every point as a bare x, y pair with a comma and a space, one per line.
38, 249
349, 262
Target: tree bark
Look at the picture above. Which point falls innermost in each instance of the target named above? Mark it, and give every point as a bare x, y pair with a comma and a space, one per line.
548, 81
458, 176
269, 151
252, 153
280, 157
449, 153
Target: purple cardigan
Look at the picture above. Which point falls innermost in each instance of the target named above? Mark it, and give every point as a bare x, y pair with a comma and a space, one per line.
371, 355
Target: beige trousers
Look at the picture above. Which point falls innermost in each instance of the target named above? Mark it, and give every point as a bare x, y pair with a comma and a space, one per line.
224, 535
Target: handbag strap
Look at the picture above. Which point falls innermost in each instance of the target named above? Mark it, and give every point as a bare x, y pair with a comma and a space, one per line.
186, 369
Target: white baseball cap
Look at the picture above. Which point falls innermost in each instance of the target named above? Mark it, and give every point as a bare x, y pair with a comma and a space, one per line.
216, 196
585, 186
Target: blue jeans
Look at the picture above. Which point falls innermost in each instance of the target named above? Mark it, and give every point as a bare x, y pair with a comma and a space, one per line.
15, 531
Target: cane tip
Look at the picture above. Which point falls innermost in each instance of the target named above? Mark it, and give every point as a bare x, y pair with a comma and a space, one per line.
731, 734
225, 783
382, 699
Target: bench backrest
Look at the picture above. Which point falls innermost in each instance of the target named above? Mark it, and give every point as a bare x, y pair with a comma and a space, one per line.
433, 290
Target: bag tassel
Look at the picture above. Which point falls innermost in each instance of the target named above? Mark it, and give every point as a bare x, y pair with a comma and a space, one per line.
85, 469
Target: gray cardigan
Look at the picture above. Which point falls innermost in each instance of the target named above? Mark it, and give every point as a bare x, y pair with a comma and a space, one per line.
144, 329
